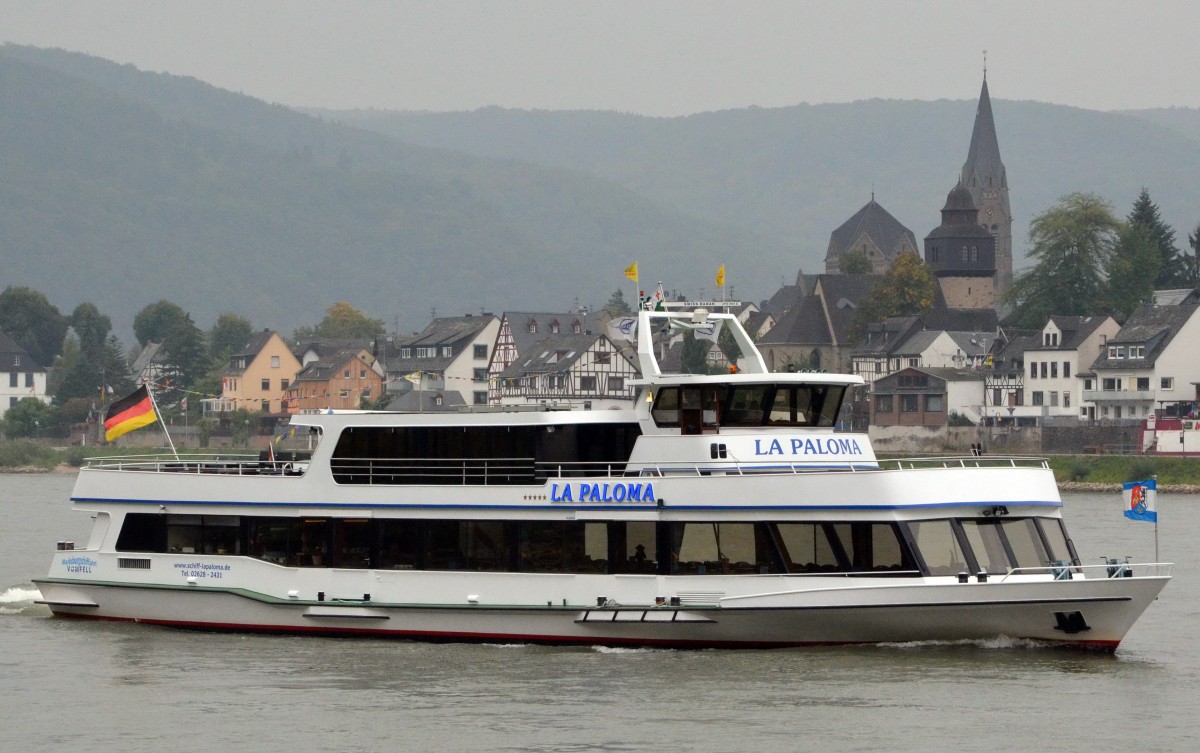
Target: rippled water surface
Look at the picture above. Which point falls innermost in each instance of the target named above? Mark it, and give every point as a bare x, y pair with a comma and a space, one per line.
116, 687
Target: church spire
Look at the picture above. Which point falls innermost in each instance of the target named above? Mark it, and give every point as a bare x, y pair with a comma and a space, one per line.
983, 174
983, 168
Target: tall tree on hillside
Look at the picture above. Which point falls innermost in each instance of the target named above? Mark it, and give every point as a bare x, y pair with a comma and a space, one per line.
1145, 214
342, 322
1132, 271
36, 324
907, 288
1072, 243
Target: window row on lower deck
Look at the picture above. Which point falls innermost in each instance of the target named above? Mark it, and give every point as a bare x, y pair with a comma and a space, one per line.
930, 547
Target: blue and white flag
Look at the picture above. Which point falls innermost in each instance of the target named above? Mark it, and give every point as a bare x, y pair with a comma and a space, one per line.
1140, 500
623, 328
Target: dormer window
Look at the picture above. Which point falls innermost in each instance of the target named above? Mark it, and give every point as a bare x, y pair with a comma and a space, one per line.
554, 327
532, 326
577, 328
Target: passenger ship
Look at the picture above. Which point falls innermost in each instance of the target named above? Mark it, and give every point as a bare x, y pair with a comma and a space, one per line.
713, 511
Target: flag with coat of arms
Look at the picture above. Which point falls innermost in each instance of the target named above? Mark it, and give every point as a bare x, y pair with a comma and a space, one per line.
1140, 500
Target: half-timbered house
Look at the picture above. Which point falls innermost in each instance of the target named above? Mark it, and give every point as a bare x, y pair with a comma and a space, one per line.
575, 368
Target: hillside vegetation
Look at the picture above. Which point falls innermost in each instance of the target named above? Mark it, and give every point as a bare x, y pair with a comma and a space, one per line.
123, 187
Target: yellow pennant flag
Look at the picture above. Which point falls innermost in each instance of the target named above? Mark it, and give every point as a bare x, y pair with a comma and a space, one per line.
631, 271
721, 276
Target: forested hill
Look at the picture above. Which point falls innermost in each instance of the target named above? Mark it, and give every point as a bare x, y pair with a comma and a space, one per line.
123, 187
796, 173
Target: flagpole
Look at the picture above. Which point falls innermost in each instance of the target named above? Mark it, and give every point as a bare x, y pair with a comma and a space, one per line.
161, 422
1155, 477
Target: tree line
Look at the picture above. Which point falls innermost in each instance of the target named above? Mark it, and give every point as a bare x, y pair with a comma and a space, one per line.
88, 365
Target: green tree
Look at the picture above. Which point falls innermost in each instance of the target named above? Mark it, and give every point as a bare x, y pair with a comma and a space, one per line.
1191, 270
242, 424
30, 417
855, 263
906, 289
94, 377
33, 322
187, 351
156, 321
342, 322
1132, 271
1072, 243
1145, 215
91, 327
228, 336
617, 305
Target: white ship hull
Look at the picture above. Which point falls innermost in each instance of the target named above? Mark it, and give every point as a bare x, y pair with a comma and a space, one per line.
883, 612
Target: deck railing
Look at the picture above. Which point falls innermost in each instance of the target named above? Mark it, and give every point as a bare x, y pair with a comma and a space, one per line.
223, 464
514, 471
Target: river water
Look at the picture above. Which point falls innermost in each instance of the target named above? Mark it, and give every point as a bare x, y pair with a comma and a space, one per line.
118, 687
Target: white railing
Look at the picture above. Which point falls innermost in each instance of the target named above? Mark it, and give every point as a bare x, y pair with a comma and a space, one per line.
509, 471
1110, 569
223, 464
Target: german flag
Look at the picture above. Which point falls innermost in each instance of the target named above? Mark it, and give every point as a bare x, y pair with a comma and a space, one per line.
129, 413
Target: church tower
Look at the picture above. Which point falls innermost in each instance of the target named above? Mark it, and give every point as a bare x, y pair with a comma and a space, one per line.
962, 254
983, 174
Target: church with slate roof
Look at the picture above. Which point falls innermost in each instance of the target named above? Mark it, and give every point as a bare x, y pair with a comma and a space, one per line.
875, 233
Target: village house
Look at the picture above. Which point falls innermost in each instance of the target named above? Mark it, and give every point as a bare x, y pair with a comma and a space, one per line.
1149, 365
576, 368
343, 379
21, 377
257, 377
450, 355
1055, 366
519, 331
926, 397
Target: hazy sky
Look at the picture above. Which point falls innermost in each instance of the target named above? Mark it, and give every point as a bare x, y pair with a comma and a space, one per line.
657, 58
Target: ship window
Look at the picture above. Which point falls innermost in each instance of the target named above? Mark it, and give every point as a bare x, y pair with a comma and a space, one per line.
203, 534
632, 548
986, 544
720, 549
1056, 536
744, 405
554, 546
479, 545
352, 543
142, 532
302, 542
666, 407
939, 547
399, 544
843, 547
1025, 542
807, 548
